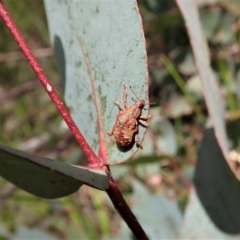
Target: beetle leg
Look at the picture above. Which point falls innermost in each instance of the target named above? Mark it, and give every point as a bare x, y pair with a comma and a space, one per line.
137, 140
146, 117
119, 106
126, 105
145, 124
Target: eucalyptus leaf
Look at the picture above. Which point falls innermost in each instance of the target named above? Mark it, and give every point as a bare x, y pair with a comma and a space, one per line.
216, 186
214, 100
99, 46
45, 177
27, 234
198, 225
160, 217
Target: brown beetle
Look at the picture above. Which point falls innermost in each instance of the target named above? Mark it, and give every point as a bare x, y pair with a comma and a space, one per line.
125, 129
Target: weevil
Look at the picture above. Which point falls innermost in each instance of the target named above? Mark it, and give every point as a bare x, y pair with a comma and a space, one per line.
125, 128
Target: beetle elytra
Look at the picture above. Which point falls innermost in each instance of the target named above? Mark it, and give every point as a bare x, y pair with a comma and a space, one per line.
125, 129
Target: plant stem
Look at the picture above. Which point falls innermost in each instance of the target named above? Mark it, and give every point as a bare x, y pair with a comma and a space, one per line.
124, 210
94, 161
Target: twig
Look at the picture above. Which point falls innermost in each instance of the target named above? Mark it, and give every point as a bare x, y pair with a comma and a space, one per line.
124, 210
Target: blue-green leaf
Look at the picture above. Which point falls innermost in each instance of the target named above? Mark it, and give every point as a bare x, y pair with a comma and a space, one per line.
99, 46
45, 177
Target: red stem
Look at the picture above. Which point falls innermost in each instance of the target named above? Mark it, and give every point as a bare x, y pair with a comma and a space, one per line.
94, 161
124, 210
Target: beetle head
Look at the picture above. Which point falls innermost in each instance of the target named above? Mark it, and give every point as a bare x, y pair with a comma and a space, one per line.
140, 103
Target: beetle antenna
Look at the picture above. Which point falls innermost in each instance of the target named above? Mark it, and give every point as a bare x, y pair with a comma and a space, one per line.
149, 105
134, 93
138, 97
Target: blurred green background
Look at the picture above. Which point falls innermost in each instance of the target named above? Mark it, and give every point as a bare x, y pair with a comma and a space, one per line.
29, 121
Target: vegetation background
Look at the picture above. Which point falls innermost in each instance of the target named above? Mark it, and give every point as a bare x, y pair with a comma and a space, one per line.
30, 122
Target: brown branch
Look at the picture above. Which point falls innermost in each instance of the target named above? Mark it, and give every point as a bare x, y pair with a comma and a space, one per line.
124, 210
